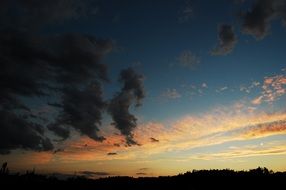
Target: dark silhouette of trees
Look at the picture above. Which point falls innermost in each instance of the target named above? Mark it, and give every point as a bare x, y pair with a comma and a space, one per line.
258, 178
4, 169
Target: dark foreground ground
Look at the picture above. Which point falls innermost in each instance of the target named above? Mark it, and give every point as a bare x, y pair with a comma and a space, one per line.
259, 178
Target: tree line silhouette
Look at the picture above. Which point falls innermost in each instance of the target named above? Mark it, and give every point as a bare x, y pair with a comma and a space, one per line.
258, 178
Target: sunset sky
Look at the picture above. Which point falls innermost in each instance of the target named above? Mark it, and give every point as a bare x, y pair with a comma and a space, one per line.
141, 87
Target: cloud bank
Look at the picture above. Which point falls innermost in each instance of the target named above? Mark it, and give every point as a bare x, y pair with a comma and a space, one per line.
64, 70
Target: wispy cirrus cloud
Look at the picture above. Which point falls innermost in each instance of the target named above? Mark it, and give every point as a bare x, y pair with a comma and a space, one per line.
262, 149
265, 129
192, 90
248, 88
221, 89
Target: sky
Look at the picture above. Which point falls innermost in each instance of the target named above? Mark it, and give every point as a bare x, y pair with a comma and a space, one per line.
142, 88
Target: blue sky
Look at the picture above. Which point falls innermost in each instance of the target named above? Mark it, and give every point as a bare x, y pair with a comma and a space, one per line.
151, 38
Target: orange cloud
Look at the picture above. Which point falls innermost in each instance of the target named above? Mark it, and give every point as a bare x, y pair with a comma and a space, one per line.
257, 100
221, 125
218, 126
245, 151
273, 88
266, 129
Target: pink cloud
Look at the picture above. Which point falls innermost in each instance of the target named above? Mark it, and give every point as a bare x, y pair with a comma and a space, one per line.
272, 89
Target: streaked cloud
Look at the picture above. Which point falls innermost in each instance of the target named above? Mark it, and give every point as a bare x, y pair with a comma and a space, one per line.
221, 89
244, 151
249, 88
205, 130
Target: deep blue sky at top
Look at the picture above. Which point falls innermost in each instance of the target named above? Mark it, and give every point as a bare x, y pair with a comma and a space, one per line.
150, 37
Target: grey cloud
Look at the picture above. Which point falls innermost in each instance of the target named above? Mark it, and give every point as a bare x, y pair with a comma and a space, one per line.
35, 65
123, 120
59, 129
133, 83
82, 110
132, 91
22, 74
16, 132
76, 58
257, 21
226, 39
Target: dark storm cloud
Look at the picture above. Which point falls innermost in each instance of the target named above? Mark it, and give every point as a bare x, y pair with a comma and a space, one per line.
133, 83
82, 110
154, 140
76, 58
132, 91
33, 66
59, 130
77, 62
36, 65
257, 21
66, 66
20, 75
226, 39
16, 132
111, 153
